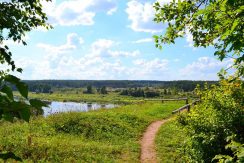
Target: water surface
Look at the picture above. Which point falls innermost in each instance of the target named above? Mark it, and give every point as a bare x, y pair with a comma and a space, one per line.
57, 107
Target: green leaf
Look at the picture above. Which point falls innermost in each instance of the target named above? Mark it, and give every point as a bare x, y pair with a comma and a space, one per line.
236, 22
25, 114
8, 117
23, 89
19, 70
6, 89
11, 79
37, 103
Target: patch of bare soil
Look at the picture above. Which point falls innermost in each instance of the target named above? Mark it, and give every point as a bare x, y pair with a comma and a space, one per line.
148, 152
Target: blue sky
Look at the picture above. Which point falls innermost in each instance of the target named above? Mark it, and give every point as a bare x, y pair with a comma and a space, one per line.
109, 39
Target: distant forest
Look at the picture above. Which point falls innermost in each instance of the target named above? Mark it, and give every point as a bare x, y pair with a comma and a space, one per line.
185, 85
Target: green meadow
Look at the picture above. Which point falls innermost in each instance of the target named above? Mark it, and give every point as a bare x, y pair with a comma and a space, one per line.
77, 97
96, 136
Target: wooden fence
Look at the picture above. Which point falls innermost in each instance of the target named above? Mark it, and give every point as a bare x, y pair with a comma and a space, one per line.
176, 99
187, 107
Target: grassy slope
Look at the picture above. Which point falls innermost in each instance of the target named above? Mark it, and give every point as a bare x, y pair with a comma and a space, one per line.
104, 135
169, 141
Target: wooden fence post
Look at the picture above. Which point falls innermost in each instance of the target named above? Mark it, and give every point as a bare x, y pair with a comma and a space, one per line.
188, 108
187, 101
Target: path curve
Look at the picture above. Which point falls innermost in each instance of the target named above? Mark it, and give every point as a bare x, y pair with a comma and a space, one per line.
148, 152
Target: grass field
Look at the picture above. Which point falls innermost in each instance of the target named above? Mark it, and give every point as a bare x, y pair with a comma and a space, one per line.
77, 95
169, 141
99, 98
97, 136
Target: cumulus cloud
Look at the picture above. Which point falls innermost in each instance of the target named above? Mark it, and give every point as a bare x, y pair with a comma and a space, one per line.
100, 62
204, 68
103, 48
152, 65
92, 65
141, 17
141, 14
69, 67
72, 41
77, 12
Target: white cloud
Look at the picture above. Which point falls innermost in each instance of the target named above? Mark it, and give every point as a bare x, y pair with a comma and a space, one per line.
112, 11
100, 62
77, 12
73, 40
141, 17
91, 66
145, 40
103, 48
124, 53
154, 69
69, 67
204, 68
152, 65
164, 1
152, 1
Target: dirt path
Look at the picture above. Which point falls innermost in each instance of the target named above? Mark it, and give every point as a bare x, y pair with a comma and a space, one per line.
148, 152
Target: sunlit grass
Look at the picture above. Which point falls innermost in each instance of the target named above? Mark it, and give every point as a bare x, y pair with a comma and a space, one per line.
169, 142
103, 135
80, 97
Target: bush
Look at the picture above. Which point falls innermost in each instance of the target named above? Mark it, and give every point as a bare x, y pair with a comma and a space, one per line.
219, 116
150, 94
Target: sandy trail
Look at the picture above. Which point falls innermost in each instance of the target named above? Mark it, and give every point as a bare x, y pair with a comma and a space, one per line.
148, 152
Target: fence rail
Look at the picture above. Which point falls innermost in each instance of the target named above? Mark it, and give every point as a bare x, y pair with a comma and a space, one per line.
176, 99
187, 106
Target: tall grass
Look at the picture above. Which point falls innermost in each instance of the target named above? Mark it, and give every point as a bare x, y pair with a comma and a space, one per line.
96, 136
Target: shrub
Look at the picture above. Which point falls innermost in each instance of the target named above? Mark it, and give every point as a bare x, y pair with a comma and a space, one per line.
151, 94
219, 116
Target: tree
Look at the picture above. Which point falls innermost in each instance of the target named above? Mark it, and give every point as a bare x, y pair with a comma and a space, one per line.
218, 119
165, 91
89, 89
211, 22
103, 90
16, 18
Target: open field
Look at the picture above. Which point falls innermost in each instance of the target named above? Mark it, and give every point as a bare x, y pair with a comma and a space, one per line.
77, 97
112, 97
103, 135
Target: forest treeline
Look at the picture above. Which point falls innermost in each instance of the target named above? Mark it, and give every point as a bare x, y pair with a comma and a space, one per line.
185, 85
